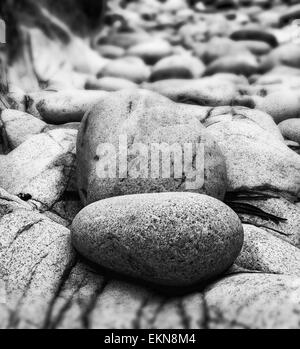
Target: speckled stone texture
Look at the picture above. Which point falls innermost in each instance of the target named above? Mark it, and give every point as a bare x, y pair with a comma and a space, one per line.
147, 118
174, 239
223, 72
268, 254
254, 301
255, 158
288, 230
34, 256
63, 106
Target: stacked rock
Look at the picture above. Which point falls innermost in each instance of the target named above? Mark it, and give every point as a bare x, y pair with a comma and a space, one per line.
162, 159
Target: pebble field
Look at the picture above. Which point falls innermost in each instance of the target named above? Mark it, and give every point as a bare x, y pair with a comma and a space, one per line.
94, 234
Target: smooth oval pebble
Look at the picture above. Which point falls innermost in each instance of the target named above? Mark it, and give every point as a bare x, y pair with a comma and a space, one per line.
290, 129
175, 239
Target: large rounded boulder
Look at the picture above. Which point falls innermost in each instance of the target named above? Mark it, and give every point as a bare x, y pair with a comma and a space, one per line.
173, 239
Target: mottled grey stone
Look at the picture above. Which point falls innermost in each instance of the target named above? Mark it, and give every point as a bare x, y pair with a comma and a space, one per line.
35, 254
63, 106
40, 168
209, 91
151, 51
287, 230
256, 159
174, 239
266, 253
254, 301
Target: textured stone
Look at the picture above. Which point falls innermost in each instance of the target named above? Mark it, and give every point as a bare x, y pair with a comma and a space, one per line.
244, 64
20, 126
62, 107
255, 158
109, 84
287, 230
147, 119
40, 168
181, 66
268, 254
282, 105
35, 254
130, 68
174, 239
212, 91
151, 51
254, 301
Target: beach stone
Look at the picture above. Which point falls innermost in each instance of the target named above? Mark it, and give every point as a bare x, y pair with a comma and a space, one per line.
130, 68
177, 67
245, 301
288, 229
282, 105
109, 84
62, 107
258, 48
111, 51
255, 159
269, 18
148, 121
20, 126
268, 254
291, 13
116, 304
39, 169
35, 255
124, 39
210, 91
257, 35
244, 64
10, 203
286, 54
203, 240
279, 75
290, 129
220, 114
151, 51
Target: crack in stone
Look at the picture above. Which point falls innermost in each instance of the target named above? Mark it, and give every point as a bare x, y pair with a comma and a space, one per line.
64, 278
85, 318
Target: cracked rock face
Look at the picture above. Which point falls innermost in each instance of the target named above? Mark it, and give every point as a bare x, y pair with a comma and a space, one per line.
145, 120
256, 159
210, 91
287, 230
40, 168
154, 252
175, 239
248, 301
35, 254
